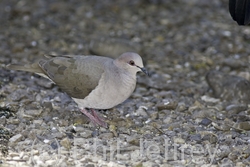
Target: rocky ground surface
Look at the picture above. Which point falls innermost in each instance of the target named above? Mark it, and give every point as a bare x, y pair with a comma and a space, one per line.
192, 111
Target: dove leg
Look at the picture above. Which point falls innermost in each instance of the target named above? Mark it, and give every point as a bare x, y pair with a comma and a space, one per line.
100, 119
94, 117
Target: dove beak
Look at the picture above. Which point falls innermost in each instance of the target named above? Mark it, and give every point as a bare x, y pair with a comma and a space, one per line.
144, 70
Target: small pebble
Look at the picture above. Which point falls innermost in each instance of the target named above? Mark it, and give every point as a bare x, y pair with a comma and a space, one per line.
65, 143
16, 138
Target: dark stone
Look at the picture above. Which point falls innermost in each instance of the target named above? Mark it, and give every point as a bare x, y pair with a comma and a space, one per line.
205, 122
229, 87
196, 137
54, 145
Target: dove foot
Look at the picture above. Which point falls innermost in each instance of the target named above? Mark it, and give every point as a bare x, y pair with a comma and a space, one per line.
94, 118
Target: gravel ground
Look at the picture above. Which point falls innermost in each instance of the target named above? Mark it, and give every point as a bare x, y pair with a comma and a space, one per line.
192, 111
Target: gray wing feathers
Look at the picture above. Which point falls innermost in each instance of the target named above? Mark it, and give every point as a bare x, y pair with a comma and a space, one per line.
76, 76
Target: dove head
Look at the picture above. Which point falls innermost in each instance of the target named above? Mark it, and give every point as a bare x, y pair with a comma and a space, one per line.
131, 62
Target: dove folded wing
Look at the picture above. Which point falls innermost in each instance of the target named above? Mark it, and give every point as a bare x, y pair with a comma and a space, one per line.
75, 76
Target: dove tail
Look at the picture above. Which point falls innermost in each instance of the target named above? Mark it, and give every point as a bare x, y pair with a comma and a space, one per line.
35, 68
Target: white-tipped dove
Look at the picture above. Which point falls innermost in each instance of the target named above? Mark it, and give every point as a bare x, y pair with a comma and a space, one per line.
93, 82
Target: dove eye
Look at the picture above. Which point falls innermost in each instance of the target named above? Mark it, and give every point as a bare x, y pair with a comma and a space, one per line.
131, 62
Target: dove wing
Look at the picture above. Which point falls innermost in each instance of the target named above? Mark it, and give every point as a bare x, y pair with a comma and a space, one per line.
77, 76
